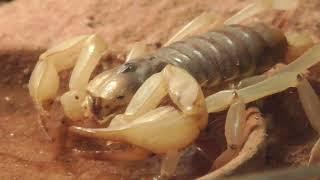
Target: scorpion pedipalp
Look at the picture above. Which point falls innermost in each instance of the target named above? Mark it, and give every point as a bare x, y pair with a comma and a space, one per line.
48, 67
186, 93
44, 81
122, 152
138, 130
88, 59
148, 97
143, 126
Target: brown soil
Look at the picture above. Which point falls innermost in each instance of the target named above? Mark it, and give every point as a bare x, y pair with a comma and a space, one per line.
28, 27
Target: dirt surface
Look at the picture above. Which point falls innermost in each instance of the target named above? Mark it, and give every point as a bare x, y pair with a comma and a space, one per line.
28, 27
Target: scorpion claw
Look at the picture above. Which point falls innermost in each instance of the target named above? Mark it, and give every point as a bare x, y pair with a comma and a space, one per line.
48, 67
44, 81
143, 126
40, 89
127, 153
72, 104
93, 49
138, 127
146, 131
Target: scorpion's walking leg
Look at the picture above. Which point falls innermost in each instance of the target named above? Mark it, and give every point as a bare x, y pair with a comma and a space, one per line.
311, 105
74, 101
138, 50
208, 18
237, 129
288, 76
315, 154
143, 123
44, 81
235, 122
197, 23
169, 163
310, 102
234, 127
298, 44
251, 80
260, 6
280, 81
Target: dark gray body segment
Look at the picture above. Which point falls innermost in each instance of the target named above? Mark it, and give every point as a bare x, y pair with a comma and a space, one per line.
222, 55
218, 56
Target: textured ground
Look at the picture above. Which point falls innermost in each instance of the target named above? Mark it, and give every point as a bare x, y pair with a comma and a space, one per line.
28, 27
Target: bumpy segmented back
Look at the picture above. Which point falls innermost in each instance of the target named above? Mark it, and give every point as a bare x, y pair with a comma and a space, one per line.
227, 53
222, 55
218, 56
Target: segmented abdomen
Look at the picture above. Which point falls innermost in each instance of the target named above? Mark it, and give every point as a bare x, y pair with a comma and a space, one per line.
228, 53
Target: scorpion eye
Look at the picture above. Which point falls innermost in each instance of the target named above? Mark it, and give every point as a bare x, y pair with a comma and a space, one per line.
128, 67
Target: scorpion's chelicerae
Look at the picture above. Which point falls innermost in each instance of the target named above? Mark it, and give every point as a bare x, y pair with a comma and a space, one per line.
131, 93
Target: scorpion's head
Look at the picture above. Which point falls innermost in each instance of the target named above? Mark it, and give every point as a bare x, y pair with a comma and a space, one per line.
106, 95
111, 91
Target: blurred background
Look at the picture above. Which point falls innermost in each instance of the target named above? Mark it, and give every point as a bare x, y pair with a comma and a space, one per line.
29, 27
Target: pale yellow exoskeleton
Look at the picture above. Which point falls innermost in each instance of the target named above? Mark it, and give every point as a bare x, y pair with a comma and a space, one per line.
44, 80
165, 129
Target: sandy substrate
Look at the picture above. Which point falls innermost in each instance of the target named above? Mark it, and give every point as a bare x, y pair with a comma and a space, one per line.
28, 27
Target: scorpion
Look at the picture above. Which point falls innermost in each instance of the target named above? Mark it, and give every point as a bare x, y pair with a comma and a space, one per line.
131, 95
